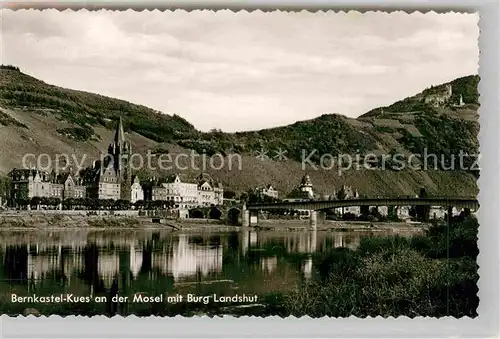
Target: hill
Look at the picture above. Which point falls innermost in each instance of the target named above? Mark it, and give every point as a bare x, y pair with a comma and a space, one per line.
36, 117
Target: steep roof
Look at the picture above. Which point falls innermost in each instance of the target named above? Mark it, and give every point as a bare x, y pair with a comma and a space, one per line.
204, 176
297, 193
119, 133
61, 178
24, 172
184, 178
306, 180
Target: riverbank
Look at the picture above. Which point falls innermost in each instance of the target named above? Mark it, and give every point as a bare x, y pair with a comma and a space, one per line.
41, 221
47, 222
340, 225
429, 275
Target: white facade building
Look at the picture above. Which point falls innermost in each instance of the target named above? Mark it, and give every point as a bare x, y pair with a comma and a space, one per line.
306, 186
356, 210
303, 192
41, 188
203, 191
109, 187
437, 212
183, 193
136, 191
346, 193
210, 192
268, 191
403, 212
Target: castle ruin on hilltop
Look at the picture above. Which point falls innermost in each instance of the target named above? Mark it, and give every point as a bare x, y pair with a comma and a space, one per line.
441, 97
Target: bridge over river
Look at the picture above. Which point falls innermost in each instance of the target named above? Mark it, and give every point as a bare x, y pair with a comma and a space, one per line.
250, 212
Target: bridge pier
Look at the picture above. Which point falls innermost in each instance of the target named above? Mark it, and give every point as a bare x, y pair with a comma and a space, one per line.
450, 214
467, 211
245, 216
313, 219
423, 213
249, 217
254, 217
316, 217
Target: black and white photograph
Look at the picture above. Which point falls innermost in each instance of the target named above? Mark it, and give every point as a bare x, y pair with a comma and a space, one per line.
221, 163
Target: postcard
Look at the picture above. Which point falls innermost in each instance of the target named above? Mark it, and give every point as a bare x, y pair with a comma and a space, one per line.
239, 163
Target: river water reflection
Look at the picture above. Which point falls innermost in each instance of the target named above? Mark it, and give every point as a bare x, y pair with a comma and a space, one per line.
153, 262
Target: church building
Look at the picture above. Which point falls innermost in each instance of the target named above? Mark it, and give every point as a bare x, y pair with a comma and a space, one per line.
112, 179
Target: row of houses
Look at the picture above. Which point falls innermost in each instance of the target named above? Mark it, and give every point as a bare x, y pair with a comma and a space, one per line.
184, 192
112, 179
30, 183
304, 191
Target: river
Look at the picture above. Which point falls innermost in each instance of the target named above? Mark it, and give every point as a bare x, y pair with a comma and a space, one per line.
152, 262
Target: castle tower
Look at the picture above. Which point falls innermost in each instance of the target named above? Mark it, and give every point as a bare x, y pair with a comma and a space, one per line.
120, 152
449, 91
306, 186
461, 101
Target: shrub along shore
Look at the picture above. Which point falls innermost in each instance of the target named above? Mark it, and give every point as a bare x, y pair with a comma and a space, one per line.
433, 274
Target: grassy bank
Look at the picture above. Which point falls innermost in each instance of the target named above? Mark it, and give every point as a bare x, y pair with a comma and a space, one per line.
45, 222
434, 274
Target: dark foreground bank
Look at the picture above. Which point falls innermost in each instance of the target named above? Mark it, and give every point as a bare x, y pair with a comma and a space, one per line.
430, 274
434, 275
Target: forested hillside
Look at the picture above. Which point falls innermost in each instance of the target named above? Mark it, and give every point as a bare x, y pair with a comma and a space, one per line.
37, 117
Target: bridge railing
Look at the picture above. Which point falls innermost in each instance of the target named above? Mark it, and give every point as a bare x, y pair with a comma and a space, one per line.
382, 201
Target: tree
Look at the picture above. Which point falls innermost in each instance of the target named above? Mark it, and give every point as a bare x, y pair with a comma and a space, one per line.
101, 203
268, 199
341, 195
148, 205
422, 210
23, 203
9, 67
52, 201
93, 203
5, 184
139, 204
44, 201
87, 202
229, 194
79, 203
35, 202
158, 204
108, 203
68, 203
121, 204
244, 197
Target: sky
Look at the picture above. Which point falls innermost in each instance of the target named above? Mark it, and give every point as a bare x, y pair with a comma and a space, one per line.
244, 71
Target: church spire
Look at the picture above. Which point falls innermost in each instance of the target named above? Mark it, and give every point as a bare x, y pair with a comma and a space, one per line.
119, 134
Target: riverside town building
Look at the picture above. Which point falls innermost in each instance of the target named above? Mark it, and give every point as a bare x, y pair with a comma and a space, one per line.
29, 183
114, 181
